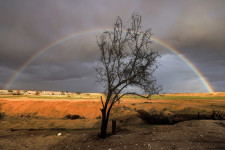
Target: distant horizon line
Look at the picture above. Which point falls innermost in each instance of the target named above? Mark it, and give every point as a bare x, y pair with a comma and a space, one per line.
103, 93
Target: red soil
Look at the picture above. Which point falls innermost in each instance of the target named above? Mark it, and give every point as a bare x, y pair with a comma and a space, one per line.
50, 109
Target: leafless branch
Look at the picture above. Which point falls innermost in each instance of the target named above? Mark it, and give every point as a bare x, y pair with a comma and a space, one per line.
126, 59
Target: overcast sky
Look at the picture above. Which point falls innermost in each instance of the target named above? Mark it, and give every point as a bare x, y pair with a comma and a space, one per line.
194, 28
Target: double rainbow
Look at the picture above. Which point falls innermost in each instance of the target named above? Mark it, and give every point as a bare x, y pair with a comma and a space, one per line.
82, 33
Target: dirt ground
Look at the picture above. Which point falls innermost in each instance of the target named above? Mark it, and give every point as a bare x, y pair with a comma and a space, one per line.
198, 134
35, 123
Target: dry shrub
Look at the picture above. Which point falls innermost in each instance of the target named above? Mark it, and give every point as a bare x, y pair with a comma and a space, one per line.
218, 115
2, 114
162, 117
28, 115
182, 117
127, 108
154, 116
73, 117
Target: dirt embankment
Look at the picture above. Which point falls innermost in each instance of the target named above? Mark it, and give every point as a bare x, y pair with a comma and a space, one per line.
50, 109
90, 108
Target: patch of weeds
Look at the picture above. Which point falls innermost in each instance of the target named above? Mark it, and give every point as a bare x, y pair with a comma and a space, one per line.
154, 117
2, 114
99, 117
160, 117
164, 109
218, 115
73, 117
126, 108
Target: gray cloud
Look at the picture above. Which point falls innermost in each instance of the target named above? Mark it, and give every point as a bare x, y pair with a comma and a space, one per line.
65, 71
199, 34
195, 28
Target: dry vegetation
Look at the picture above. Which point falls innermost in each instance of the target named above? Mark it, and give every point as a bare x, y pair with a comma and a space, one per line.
33, 122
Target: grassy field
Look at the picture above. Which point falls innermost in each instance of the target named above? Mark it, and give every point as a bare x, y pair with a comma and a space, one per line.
167, 97
154, 97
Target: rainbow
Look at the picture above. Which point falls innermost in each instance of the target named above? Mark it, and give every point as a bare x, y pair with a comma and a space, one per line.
82, 33
188, 62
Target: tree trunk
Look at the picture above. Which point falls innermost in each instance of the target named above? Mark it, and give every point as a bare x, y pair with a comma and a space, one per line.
104, 127
105, 119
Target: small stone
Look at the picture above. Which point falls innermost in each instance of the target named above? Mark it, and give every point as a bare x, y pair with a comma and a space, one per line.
59, 134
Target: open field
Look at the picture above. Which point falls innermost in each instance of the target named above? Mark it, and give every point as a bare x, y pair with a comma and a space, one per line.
88, 105
32, 122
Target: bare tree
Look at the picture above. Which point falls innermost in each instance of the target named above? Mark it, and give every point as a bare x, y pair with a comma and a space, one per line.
126, 60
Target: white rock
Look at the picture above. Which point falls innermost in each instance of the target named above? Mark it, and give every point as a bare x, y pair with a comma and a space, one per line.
59, 134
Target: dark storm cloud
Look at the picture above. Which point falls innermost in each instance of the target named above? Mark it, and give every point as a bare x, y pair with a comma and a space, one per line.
63, 71
195, 28
4, 73
27, 26
199, 34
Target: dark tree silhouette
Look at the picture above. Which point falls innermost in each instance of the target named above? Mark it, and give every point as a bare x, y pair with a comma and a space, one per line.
126, 60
